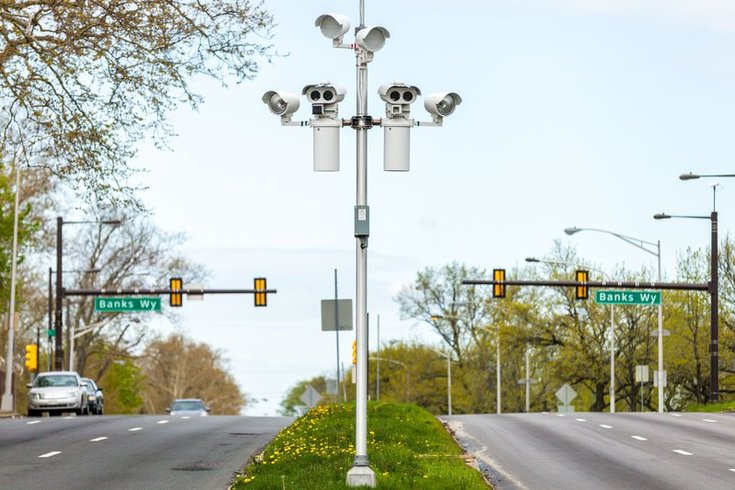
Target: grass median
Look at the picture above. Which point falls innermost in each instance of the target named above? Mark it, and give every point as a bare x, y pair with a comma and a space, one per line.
407, 446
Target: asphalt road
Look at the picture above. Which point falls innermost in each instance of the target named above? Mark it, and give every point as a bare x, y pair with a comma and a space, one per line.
129, 452
602, 450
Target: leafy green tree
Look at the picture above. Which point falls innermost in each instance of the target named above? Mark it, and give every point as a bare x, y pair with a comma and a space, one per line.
83, 82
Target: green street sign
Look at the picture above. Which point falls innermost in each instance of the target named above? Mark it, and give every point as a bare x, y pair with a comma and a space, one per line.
112, 305
613, 297
51, 332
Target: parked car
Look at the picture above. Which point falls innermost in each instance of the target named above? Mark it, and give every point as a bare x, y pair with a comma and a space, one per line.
56, 392
189, 407
95, 398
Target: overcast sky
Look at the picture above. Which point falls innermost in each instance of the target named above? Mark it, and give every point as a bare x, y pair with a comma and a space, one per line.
575, 113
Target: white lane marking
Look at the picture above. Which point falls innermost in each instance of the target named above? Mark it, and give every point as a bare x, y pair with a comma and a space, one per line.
70, 417
708, 420
682, 452
33, 422
135, 429
581, 420
605, 426
185, 417
48, 455
98, 439
560, 415
732, 469
162, 422
676, 415
639, 438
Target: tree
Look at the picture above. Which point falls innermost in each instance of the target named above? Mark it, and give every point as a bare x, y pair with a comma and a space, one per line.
177, 367
83, 81
292, 406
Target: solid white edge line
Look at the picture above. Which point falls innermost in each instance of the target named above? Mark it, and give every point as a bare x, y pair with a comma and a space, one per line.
33, 422
135, 429
639, 438
98, 439
605, 426
48, 455
682, 452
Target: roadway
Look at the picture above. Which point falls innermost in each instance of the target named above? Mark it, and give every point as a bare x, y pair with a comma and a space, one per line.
129, 452
601, 450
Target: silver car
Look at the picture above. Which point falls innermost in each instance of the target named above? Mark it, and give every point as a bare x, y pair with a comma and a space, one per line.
189, 407
56, 392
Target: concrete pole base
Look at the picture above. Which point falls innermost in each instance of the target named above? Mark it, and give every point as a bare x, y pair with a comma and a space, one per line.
361, 476
6, 405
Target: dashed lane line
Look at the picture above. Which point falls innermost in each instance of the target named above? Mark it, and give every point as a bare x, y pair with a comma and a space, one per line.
33, 422
135, 429
581, 420
639, 438
682, 452
709, 420
676, 415
605, 426
162, 422
48, 455
98, 439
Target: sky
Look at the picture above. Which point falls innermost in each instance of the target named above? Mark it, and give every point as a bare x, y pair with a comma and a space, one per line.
575, 113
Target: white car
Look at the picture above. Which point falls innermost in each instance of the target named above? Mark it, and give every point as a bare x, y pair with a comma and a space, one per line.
57, 391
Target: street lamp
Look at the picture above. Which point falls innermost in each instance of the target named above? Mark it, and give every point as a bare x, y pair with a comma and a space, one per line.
58, 322
714, 348
646, 246
612, 323
324, 99
691, 176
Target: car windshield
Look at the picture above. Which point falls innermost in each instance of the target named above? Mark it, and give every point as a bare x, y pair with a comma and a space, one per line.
56, 380
187, 406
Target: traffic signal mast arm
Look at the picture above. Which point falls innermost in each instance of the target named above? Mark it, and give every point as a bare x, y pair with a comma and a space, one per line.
144, 292
681, 286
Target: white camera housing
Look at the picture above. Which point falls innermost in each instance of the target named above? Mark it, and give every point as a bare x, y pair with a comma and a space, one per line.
324, 99
372, 39
281, 103
333, 26
441, 104
398, 98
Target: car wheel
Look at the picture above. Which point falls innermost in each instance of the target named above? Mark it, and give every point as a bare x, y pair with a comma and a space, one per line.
33, 413
101, 409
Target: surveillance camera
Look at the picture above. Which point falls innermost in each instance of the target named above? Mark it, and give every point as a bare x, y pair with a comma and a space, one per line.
441, 104
372, 39
398, 97
333, 26
282, 104
324, 98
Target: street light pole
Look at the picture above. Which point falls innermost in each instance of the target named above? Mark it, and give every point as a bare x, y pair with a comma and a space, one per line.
643, 245
714, 378
7, 403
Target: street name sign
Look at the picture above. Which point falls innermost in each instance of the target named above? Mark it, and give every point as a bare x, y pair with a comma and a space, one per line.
613, 297
114, 305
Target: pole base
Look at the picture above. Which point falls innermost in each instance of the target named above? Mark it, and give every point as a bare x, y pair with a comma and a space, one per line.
361, 476
7, 403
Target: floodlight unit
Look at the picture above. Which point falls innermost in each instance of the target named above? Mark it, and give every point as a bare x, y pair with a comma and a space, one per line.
326, 124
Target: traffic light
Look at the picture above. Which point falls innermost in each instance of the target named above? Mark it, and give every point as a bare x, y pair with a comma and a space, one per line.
175, 298
260, 294
354, 352
499, 289
31, 357
582, 292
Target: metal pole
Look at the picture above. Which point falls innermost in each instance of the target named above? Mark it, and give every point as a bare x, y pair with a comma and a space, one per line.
58, 321
50, 322
336, 330
660, 338
7, 404
449, 382
497, 375
528, 383
612, 358
714, 313
377, 374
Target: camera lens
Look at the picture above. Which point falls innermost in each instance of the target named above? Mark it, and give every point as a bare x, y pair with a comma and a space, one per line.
328, 95
407, 96
315, 95
395, 96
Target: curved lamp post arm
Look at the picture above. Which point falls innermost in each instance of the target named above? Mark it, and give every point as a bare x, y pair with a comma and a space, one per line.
636, 242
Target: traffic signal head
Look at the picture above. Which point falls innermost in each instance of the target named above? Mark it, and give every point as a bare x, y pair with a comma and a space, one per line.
498, 283
582, 291
261, 298
176, 298
31, 357
354, 352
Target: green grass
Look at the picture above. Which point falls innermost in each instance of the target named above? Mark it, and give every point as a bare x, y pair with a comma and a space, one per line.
712, 407
407, 446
